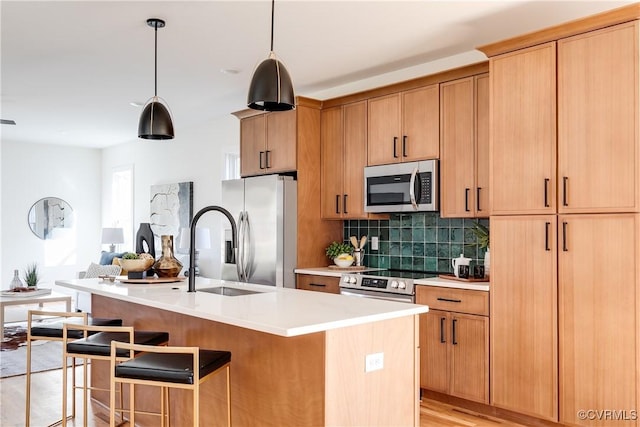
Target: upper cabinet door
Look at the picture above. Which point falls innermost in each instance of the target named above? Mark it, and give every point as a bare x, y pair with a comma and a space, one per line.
384, 145
523, 140
420, 137
331, 162
483, 207
597, 121
457, 165
281, 142
252, 145
355, 159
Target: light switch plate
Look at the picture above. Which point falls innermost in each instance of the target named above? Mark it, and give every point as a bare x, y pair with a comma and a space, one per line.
374, 243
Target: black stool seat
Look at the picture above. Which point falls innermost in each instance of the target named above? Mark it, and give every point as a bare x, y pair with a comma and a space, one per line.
171, 367
54, 329
100, 344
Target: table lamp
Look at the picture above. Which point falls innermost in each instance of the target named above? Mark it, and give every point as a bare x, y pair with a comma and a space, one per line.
112, 237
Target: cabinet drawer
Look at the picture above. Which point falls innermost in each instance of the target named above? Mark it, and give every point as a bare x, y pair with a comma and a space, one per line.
310, 282
456, 300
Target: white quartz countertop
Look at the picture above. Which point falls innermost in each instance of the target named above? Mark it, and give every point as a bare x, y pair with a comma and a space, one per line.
279, 311
431, 281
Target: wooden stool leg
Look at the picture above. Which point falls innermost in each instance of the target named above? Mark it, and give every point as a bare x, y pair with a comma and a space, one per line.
228, 396
168, 403
112, 399
64, 389
28, 391
196, 405
85, 392
132, 404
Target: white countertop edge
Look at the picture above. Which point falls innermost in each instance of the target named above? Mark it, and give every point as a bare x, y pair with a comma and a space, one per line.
330, 272
110, 290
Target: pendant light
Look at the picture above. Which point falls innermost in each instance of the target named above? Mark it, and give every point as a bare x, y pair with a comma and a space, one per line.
155, 120
271, 88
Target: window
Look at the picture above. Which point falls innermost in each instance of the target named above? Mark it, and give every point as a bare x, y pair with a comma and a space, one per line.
231, 166
122, 203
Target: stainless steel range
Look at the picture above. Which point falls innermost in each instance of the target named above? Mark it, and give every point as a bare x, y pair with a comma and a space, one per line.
390, 285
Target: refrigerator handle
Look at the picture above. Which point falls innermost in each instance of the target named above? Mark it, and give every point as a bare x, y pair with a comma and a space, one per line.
246, 246
238, 250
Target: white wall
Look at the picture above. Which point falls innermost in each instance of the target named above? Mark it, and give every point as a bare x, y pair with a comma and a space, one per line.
195, 154
31, 172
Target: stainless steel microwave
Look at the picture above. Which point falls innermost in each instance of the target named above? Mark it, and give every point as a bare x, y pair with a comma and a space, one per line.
402, 187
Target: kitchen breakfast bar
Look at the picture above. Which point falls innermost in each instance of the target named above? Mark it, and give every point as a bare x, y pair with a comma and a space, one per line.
299, 358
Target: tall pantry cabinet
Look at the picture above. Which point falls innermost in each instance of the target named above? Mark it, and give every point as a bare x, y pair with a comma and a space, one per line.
565, 307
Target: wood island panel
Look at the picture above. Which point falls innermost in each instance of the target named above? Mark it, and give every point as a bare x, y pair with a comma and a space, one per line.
275, 381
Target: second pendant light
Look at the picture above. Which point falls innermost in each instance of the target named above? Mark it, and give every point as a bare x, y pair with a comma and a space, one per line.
271, 88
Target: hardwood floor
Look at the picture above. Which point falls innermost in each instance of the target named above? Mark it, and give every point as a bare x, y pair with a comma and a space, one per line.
46, 401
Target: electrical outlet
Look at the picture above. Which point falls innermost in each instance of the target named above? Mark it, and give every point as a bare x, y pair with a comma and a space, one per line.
374, 243
374, 362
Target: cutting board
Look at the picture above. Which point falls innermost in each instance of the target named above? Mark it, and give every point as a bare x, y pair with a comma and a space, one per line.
351, 268
470, 279
152, 280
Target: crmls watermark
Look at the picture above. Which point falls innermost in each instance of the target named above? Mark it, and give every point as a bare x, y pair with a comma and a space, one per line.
608, 414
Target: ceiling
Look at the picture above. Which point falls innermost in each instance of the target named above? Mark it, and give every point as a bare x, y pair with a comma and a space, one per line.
69, 70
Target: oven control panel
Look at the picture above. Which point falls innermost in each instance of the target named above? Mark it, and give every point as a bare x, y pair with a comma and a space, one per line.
378, 283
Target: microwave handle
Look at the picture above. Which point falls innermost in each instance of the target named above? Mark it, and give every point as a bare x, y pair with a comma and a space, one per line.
412, 188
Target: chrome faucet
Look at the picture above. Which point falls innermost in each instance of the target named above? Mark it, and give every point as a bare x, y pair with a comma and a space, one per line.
192, 240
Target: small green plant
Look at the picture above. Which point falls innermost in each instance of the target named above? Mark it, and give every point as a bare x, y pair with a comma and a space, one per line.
337, 248
32, 275
130, 255
482, 235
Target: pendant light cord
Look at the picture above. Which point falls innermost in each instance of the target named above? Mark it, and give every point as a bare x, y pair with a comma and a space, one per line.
155, 64
273, 5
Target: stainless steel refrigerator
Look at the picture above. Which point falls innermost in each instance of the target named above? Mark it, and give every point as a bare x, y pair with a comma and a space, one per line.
265, 210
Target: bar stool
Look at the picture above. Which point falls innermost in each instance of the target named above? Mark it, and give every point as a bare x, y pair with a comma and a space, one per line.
52, 331
166, 367
96, 345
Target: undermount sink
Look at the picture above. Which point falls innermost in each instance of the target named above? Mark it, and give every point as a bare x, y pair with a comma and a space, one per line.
229, 292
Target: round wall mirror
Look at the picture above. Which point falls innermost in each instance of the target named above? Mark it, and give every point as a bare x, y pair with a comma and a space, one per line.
49, 217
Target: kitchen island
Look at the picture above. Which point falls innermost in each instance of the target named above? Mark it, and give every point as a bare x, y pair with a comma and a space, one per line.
299, 358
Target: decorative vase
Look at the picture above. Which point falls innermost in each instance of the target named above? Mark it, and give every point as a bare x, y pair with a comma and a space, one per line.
16, 283
167, 265
487, 263
145, 236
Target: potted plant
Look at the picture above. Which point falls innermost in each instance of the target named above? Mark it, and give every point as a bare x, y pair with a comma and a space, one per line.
482, 236
340, 253
32, 275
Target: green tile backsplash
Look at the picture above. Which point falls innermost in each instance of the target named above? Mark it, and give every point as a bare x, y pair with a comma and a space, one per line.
417, 241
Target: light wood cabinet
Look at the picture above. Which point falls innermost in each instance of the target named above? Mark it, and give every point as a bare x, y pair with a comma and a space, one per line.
454, 342
598, 121
268, 143
310, 282
599, 269
524, 327
343, 158
404, 126
523, 141
464, 147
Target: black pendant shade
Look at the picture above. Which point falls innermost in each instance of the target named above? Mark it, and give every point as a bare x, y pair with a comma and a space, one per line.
155, 120
271, 88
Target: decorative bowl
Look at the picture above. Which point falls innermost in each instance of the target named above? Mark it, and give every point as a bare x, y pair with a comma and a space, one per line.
136, 264
343, 260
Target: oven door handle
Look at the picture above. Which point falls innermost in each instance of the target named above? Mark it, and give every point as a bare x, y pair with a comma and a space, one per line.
400, 298
412, 189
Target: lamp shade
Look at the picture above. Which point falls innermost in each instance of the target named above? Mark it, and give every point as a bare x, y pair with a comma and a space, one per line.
203, 238
112, 236
155, 121
271, 88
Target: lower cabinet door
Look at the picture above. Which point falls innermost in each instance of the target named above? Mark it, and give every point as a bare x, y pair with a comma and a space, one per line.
434, 347
469, 357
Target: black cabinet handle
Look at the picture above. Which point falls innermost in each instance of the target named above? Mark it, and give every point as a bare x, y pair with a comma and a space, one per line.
565, 179
344, 203
268, 157
453, 332
442, 340
546, 192
395, 147
337, 203
449, 300
404, 145
466, 199
478, 199
547, 225
564, 237
321, 285
261, 153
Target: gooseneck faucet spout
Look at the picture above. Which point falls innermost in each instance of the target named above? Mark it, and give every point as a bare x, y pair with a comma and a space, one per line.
192, 240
